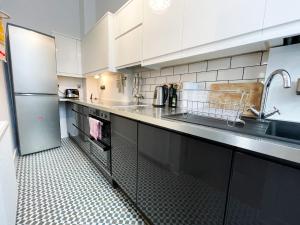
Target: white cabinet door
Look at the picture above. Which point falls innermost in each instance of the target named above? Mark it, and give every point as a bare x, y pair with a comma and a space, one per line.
67, 55
129, 48
96, 46
281, 12
207, 21
128, 17
162, 30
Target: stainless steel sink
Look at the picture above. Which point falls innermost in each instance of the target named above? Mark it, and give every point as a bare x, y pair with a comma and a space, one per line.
286, 131
279, 130
129, 106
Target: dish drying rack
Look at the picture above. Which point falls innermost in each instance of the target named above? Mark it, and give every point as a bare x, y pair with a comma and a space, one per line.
227, 105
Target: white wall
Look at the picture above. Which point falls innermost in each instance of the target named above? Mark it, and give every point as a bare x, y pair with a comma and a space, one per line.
286, 100
46, 16
5, 110
93, 10
111, 92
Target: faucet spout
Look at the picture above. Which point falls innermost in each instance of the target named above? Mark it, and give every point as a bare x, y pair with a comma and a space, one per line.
286, 78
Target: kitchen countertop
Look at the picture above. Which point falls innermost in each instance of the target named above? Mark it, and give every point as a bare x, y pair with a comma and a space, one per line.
148, 114
3, 127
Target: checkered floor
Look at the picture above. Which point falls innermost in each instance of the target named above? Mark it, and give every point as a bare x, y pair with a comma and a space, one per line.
62, 187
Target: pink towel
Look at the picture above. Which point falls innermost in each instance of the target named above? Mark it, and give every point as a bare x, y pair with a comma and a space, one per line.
95, 128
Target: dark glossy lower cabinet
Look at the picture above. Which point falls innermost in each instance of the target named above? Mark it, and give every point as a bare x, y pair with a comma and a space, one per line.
181, 180
263, 193
124, 154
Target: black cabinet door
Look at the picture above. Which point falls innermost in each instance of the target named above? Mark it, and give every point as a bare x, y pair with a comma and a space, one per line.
82, 119
71, 119
124, 154
181, 180
263, 192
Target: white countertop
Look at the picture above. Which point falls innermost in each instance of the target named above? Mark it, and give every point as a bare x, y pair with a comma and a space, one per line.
275, 148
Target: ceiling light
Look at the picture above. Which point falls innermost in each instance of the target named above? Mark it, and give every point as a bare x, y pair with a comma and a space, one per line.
97, 77
159, 5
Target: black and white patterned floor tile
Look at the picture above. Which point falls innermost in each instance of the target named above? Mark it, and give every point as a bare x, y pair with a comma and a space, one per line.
62, 187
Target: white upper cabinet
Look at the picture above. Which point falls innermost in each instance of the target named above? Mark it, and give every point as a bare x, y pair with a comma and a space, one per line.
97, 47
129, 48
281, 11
207, 21
68, 56
128, 17
162, 28
128, 34
282, 19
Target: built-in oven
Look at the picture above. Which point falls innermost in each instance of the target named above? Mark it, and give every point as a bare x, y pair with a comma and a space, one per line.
100, 149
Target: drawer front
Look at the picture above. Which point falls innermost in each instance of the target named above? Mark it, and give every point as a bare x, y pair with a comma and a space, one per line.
81, 139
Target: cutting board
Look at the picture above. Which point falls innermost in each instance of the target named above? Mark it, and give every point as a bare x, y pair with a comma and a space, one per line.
254, 91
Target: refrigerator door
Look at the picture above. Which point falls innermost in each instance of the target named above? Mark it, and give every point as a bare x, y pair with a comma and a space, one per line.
33, 61
38, 122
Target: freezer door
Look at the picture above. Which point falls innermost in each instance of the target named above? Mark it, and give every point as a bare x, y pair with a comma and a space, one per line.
38, 122
33, 61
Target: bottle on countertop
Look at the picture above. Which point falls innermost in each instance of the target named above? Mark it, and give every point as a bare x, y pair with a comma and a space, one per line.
173, 96
171, 92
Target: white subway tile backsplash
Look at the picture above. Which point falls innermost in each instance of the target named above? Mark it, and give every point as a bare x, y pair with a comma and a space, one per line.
265, 58
218, 64
152, 88
146, 88
243, 81
150, 81
161, 80
173, 79
181, 69
148, 101
255, 72
167, 71
155, 73
191, 77
252, 59
192, 85
149, 95
248, 68
146, 74
198, 67
207, 76
231, 74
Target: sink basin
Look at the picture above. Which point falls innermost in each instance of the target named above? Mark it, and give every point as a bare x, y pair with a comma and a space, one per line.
278, 130
284, 130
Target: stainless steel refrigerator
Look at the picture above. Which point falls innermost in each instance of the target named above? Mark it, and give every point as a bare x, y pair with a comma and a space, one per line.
33, 82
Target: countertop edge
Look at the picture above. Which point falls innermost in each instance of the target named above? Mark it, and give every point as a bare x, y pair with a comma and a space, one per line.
3, 128
269, 147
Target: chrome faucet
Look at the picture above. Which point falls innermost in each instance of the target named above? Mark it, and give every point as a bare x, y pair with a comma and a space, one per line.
138, 98
286, 84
